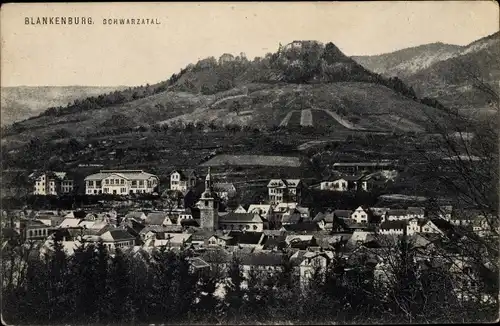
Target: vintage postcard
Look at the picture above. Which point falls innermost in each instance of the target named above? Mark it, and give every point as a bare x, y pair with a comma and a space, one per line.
250, 163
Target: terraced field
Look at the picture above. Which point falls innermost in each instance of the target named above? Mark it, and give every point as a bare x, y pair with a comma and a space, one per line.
323, 119
253, 160
306, 118
399, 123
294, 120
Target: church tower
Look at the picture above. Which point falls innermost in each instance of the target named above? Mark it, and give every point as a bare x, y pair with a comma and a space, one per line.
209, 206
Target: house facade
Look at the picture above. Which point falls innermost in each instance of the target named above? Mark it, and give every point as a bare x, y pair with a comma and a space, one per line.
121, 182
225, 190
250, 222
183, 180
51, 183
284, 191
360, 215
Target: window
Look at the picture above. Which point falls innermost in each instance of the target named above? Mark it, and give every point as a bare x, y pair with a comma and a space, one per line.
206, 202
123, 190
122, 181
112, 181
255, 227
247, 227
30, 233
106, 181
134, 184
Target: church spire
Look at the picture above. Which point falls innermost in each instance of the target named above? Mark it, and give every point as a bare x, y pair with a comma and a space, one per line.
208, 181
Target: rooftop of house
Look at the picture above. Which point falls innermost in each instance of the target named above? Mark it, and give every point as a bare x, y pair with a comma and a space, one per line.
342, 213
397, 212
125, 174
239, 237
259, 209
155, 218
327, 217
135, 214
260, 259
116, 235
301, 227
185, 173
240, 218
283, 183
393, 225
224, 186
70, 223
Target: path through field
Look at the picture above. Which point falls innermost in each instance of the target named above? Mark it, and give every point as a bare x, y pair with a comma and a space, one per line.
285, 120
306, 118
341, 120
401, 123
227, 98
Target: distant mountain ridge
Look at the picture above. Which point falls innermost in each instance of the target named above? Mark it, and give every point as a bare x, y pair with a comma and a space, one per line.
21, 102
449, 73
405, 62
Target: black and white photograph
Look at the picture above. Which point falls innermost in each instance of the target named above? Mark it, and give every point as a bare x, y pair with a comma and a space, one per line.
250, 163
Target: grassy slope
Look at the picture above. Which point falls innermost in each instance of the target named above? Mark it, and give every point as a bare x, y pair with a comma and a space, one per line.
265, 106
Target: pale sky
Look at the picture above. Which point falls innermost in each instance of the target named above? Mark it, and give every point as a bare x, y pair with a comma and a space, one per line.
102, 55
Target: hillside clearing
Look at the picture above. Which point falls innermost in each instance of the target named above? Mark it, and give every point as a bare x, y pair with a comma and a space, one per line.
306, 118
252, 160
341, 120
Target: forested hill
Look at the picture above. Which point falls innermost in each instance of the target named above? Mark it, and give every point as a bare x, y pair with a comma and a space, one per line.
300, 62
304, 83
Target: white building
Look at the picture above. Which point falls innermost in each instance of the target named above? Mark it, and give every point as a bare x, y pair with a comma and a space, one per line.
121, 182
284, 190
183, 180
51, 183
360, 215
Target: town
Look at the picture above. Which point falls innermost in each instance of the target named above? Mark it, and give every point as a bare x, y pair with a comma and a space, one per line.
259, 233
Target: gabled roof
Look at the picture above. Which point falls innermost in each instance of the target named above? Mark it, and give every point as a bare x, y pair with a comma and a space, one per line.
262, 209
397, 212
291, 216
70, 223
283, 183
156, 218
135, 214
260, 259
416, 210
241, 218
274, 242
126, 174
185, 173
238, 237
393, 225
221, 187
116, 235
342, 213
327, 217
302, 227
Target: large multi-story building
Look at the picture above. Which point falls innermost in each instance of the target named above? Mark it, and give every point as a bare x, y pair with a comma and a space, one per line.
284, 191
121, 182
51, 183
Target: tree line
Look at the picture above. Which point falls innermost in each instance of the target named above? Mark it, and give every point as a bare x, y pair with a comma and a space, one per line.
94, 286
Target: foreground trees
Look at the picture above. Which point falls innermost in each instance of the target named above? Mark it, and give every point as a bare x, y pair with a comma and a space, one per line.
94, 286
